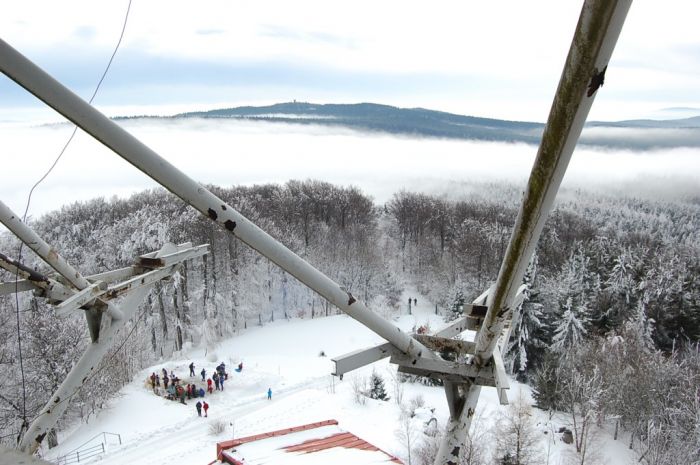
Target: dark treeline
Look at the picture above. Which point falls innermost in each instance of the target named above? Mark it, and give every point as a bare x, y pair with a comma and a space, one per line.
606, 267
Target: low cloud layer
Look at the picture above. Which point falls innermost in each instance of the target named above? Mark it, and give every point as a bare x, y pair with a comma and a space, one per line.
241, 152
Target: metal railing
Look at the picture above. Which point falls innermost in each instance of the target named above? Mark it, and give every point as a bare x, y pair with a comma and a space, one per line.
84, 452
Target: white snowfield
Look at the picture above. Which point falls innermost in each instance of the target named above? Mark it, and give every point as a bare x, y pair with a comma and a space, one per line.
285, 356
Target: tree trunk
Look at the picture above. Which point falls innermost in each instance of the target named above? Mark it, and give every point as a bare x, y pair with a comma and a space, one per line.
178, 320
161, 311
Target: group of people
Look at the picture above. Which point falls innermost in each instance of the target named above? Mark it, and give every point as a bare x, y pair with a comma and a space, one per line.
173, 390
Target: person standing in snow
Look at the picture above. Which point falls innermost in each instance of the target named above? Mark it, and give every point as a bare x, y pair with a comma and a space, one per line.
221, 381
415, 302
240, 367
201, 392
199, 408
165, 382
206, 408
192, 369
269, 393
204, 374
209, 386
216, 380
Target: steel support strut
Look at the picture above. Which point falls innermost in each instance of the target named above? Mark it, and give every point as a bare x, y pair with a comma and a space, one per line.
87, 364
597, 32
36, 81
50, 255
89, 296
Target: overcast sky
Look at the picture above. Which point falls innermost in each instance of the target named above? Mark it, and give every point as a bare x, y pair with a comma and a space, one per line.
496, 59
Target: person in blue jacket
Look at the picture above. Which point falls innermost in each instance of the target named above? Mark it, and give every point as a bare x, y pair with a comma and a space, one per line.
269, 393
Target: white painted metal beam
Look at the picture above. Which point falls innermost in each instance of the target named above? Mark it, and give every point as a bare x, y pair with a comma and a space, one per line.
47, 253
22, 285
36, 81
362, 357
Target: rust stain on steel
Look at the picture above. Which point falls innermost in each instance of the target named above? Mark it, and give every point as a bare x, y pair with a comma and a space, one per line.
151, 262
53, 254
478, 310
230, 225
212, 214
597, 81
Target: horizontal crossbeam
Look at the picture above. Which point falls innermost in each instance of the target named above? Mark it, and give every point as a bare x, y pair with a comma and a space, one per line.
362, 357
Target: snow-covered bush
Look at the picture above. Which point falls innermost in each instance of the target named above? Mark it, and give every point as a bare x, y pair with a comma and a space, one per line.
217, 427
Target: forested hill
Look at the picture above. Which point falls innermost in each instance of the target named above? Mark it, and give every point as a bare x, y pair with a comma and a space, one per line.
419, 122
385, 118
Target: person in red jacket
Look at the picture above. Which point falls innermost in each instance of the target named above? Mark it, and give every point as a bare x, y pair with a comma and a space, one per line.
209, 388
206, 408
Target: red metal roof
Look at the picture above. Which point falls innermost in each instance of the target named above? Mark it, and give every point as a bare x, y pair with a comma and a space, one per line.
343, 439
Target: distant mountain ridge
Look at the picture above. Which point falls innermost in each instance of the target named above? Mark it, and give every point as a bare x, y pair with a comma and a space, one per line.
420, 122
386, 118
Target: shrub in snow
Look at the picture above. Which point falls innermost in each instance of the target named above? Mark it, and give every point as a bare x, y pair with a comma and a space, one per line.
416, 403
217, 427
359, 389
516, 438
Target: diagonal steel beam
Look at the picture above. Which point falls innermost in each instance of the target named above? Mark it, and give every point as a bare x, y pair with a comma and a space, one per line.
596, 34
39, 83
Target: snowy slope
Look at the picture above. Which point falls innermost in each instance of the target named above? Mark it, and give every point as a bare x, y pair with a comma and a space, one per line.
283, 356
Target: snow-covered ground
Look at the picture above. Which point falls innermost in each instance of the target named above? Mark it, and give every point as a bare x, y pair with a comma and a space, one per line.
286, 356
